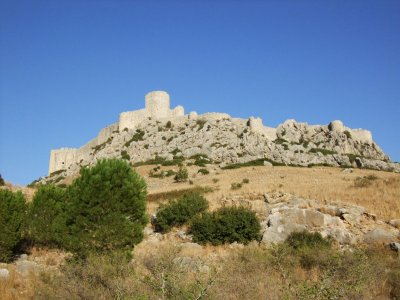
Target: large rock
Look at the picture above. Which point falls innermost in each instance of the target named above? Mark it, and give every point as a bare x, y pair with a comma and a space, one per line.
347, 224
4, 273
379, 236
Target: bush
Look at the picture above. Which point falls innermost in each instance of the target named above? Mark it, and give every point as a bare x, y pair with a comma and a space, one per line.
305, 239
203, 171
246, 181
45, 220
106, 209
311, 248
364, 181
236, 186
125, 155
323, 151
1, 181
12, 216
253, 163
181, 175
138, 136
178, 212
226, 225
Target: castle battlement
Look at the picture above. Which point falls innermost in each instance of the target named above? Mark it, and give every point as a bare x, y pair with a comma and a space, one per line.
157, 108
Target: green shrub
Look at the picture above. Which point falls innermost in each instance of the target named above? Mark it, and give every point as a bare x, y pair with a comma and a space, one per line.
178, 212
311, 248
236, 186
203, 171
138, 136
12, 216
178, 193
323, 151
280, 141
1, 181
305, 239
226, 225
181, 175
46, 219
364, 181
257, 162
125, 155
200, 160
106, 209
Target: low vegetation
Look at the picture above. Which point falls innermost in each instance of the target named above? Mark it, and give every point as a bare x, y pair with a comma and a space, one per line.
174, 194
236, 185
200, 160
161, 161
203, 171
178, 212
182, 174
361, 182
226, 225
323, 151
138, 136
257, 162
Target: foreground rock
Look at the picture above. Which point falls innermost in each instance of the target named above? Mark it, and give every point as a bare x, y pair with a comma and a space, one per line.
348, 225
283, 213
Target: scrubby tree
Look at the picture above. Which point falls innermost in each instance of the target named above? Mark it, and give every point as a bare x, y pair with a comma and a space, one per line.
105, 209
182, 174
12, 216
180, 211
226, 225
45, 224
1, 181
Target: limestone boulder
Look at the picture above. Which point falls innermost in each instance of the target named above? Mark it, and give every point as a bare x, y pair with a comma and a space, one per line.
4, 274
380, 236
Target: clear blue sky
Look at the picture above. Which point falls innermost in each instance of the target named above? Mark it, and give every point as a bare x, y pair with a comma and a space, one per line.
68, 68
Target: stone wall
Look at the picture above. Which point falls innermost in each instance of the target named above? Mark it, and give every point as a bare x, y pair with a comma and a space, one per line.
157, 112
106, 133
256, 125
362, 135
131, 119
60, 159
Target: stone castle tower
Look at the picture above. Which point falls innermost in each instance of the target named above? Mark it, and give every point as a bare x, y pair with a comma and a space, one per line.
157, 106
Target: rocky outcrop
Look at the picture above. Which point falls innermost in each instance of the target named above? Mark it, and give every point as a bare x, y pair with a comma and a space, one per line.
347, 224
283, 213
169, 134
228, 141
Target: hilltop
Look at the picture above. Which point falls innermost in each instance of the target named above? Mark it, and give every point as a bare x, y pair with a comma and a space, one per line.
158, 134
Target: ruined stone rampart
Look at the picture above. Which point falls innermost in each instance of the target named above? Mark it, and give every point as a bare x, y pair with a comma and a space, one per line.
157, 111
60, 159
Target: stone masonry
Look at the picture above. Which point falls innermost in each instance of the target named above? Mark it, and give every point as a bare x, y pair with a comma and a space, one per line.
144, 135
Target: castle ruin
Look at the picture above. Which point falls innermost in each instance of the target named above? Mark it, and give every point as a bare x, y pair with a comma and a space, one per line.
157, 107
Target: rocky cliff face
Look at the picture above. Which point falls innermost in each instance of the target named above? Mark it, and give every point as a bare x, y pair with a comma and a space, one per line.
225, 140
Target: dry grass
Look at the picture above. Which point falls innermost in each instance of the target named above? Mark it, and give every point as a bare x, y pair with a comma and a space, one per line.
16, 287
251, 272
381, 197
